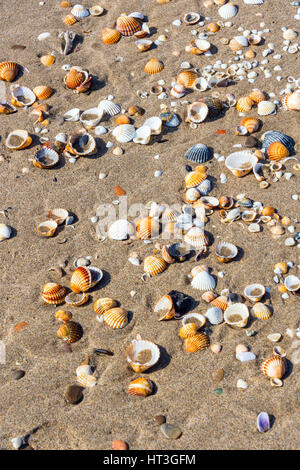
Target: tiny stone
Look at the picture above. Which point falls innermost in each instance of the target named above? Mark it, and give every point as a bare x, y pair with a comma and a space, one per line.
159, 419
18, 374
219, 375
74, 394
251, 142
170, 431
17, 442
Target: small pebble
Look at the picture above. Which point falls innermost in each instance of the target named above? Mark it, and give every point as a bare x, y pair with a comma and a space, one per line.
17, 442
74, 394
18, 374
170, 431
159, 419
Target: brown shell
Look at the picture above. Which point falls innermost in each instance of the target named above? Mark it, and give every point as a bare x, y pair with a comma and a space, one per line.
275, 367
74, 78
110, 36
187, 78
70, 20
244, 104
81, 279
257, 96
116, 317
213, 27
154, 66
128, 25
54, 293
153, 265
104, 304
188, 330
8, 71
70, 332
141, 387
197, 342
147, 228
277, 151
43, 92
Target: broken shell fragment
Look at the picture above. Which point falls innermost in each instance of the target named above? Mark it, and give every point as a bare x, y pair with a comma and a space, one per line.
76, 299
165, 308
18, 140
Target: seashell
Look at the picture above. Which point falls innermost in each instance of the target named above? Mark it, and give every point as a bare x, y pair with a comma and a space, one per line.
281, 268
79, 11
70, 332
96, 274
147, 228
47, 229
165, 308
142, 135
170, 119
274, 337
226, 252
204, 281
142, 355
76, 299
198, 342
45, 158
261, 311
196, 112
104, 304
202, 45
110, 36
59, 215
194, 318
277, 230
155, 124
91, 117
188, 330
264, 108
145, 31
241, 163
48, 60
74, 78
109, 107
244, 104
154, 66
254, 292
276, 136
249, 216
54, 293
200, 84
121, 229
214, 315
198, 153
144, 44
191, 17
236, 315
254, 2
153, 265
180, 251
289, 34
43, 92
141, 387
228, 11
275, 367
220, 302
213, 27
81, 279
116, 317
263, 421
128, 25
204, 187
254, 39
169, 215
292, 283
209, 296
96, 10
81, 144
137, 15
236, 45
5, 232
178, 91
187, 78
198, 269
8, 71
63, 315
209, 202
18, 139
6, 108
124, 133
277, 151
86, 380
22, 96
191, 195
257, 96
72, 115
251, 124
197, 238
70, 20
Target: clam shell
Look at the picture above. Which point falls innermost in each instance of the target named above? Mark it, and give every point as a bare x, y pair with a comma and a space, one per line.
79, 11
110, 36
70, 332
275, 367
45, 158
191, 195
18, 139
72, 115
81, 279
22, 96
263, 421
141, 387
196, 112
109, 107
144, 44
196, 237
277, 151
214, 315
254, 292
104, 304
59, 215
155, 124
187, 78
241, 163
204, 281
251, 124
165, 308
142, 135
244, 104
63, 315
154, 66
116, 317
196, 318
261, 311
81, 144
121, 229
134, 354
5, 232
153, 265
198, 342
76, 299
226, 252
124, 133
54, 293
47, 229
292, 283
147, 228
236, 315
128, 25
276, 136
91, 117
198, 153
8, 71
228, 11
264, 108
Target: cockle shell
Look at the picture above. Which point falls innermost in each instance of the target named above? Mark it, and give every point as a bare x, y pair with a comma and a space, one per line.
128, 25
109, 107
198, 342
45, 158
96, 10
241, 163
251, 124
70, 20
244, 104
153, 265
124, 133
165, 308
257, 96
292, 283
59, 215
18, 139
226, 252
70, 332
79, 11
277, 151
121, 229
81, 279
264, 108
154, 66
147, 228
81, 144
104, 304
196, 318
91, 117
254, 292
220, 302
275, 367
47, 229
187, 78
5, 232
198, 153
142, 354
22, 96
198, 269
47, 60
54, 293
228, 11
141, 387
169, 215
43, 92
76, 299
86, 380
78, 79
8, 71
116, 317
188, 330
214, 315
110, 36
203, 281
196, 237
209, 296
261, 311
276, 136
236, 315
293, 101
196, 112
63, 315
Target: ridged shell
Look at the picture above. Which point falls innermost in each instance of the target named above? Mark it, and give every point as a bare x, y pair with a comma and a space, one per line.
45, 158
86, 380
42, 92
169, 215
48, 60
261, 311
220, 302
22, 96
8, 71
275, 367
188, 330
54, 293
109, 107
147, 228
81, 279
187, 78
79, 11
198, 153
251, 124
116, 317
81, 144
24, 140
70, 20
277, 151
63, 315
47, 228
121, 229
110, 36
257, 96
198, 342
70, 332
276, 136
196, 112
154, 66
74, 78
264, 108
76, 299
165, 308
244, 104
153, 265
138, 347
128, 25
141, 387
203, 281
293, 101
124, 133
104, 304
196, 237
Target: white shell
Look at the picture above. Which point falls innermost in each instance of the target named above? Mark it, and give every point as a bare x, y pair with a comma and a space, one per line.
23, 94
72, 115
109, 107
292, 283
138, 345
100, 130
197, 112
214, 315
142, 135
242, 40
204, 187
204, 281
79, 11
138, 15
121, 229
254, 2
5, 232
43, 36
264, 108
155, 124
19, 133
62, 138
228, 11
237, 309
91, 123
124, 133
84, 369
248, 292
238, 160
200, 84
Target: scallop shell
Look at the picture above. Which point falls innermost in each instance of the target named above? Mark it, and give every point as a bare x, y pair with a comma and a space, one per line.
54, 293
104, 304
48, 60
22, 96
134, 351
244, 104
153, 265
198, 342
198, 153
154, 66
43, 92
276, 136
24, 140
76, 299
196, 237
121, 229
70, 20
261, 311
187, 78
165, 308
203, 281
110, 36
275, 367
257, 96
264, 108
147, 228
196, 112
63, 315
81, 279
277, 151
116, 317
47, 229
141, 387
188, 330
220, 302
231, 252
109, 107
228, 11
8, 71
169, 215
45, 158
236, 315
70, 332
124, 133
128, 25
79, 11
251, 124
81, 144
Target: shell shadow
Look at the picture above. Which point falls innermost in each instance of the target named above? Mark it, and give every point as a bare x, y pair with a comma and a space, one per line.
239, 255
289, 368
153, 30
101, 149
14, 232
97, 83
164, 360
103, 283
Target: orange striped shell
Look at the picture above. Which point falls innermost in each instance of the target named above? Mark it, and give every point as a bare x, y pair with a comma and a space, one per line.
153, 265
110, 36
54, 293
128, 25
116, 317
66, 4
70, 20
169, 215
63, 315
70, 332
196, 237
104, 304
188, 330
47, 60
74, 78
277, 151
275, 367
251, 124
257, 96
154, 66
8, 71
244, 104
193, 178
141, 387
147, 228
187, 78
81, 279
197, 342
43, 92
220, 302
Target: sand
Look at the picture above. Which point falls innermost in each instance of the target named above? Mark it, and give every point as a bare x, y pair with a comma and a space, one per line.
185, 386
